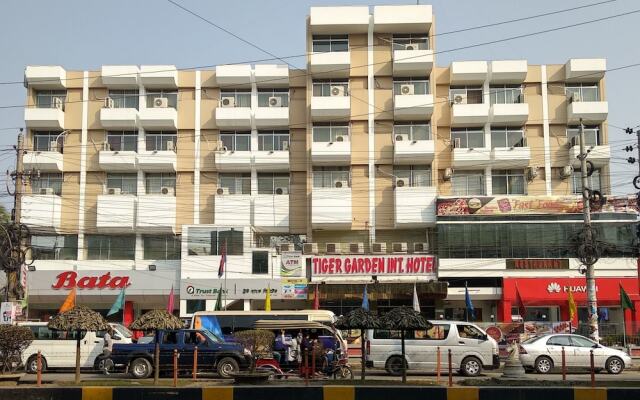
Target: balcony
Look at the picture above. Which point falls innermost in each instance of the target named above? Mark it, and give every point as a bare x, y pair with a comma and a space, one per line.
41, 211
233, 161
599, 155
157, 161
232, 210
116, 213
415, 206
585, 69
44, 118
159, 76
408, 107
117, 160
468, 72
272, 161
412, 62
233, 75
339, 20
120, 76
43, 161
413, 151
508, 71
516, 113
327, 108
590, 111
118, 118
466, 157
331, 153
402, 18
272, 75
272, 117
234, 117
336, 64
510, 157
159, 118
156, 213
331, 208
46, 77
469, 114
271, 213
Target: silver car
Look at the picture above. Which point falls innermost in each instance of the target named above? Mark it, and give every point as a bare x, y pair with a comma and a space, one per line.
543, 353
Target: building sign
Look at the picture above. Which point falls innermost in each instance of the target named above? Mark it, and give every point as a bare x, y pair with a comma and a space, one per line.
7, 313
234, 289
515, 205
355, 265
291, 264
538, 263
70, 280
295, 289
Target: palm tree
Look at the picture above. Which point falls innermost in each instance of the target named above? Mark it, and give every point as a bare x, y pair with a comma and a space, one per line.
359, 318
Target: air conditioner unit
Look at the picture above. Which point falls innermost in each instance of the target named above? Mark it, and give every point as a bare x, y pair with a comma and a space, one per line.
275, 102
399, 247
282, 190
460, 99
333, 248
46, 191
220, 146
457, 143
222, 190
108, 102
401, 137
566, 172
337, 91
171, 146
228, 101
285, 146
356, 248
53, 145
57, 103
448, 173
167, 190
310, 248
575, 97
411, 46
285, 247
406, 89
400, 182
339, 138
341, 184
114, 191
532, 173
106, 146
379, 248
421, 247
160, 102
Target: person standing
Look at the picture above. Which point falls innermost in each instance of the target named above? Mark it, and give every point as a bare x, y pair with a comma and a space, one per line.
107, 348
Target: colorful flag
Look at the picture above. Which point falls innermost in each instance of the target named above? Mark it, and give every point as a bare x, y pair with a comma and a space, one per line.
573, 309
416, 302
625, 301
170, 302
118, 304
223, 259
69, 302
522, 310
267, 299
471, 312
316, 299
218, 306
365, 299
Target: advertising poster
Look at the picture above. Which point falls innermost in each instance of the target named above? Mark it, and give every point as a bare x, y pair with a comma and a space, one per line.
294, 289
291, 264
8, 312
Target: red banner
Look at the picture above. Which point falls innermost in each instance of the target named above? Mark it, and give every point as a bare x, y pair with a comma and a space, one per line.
349, 265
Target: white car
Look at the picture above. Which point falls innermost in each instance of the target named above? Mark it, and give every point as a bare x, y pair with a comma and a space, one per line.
543, 353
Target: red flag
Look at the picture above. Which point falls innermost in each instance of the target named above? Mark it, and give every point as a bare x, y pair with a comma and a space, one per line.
223, 259
316, 299
170, 302
522, 310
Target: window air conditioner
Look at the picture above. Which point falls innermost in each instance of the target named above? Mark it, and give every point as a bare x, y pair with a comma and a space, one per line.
379, 248
222, 190
411, 46
160, 102
400, 182
171, 146
337, 91
339, 138
310, 248
114, 191
333, 248
399, 247
282, 190
406, 89
402, 137
285, 247
460, 99
48, 191
448, 173
532, 173
167, 190
341, 184
275, 102
356, 248
53, 145
57, 103
566, 172
421, 247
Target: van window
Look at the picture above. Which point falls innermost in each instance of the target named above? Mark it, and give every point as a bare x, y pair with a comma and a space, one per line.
437, 332
170, 338
469, 332
391, 334
42, 332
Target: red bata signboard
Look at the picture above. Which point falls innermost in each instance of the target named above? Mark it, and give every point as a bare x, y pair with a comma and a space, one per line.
353, 265
69, 280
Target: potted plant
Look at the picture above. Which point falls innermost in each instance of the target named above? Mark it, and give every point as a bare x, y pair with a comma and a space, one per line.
259, 343
13, 341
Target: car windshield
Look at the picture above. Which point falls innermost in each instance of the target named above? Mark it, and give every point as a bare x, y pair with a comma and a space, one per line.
212, 336
123, 330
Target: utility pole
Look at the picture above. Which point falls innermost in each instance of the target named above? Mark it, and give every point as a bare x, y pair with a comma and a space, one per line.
636, 184
19, 179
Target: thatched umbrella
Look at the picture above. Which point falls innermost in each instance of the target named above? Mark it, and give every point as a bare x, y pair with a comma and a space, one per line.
78, 319
359, 318
156, 320
404, 318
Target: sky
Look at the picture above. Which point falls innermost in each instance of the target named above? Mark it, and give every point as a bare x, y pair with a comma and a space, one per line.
85, 34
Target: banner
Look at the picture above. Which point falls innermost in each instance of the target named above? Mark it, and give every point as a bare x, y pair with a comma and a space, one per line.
291, 263
367, 265
254, 289
7, 312
294, 289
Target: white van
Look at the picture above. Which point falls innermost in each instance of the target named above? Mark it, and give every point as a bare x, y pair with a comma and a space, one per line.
58, 348
471, 349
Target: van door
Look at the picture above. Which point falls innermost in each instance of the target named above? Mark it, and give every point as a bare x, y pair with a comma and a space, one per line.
90, 347
424, 347
471, 340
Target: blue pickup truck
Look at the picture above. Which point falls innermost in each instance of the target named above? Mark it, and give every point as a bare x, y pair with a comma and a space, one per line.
214, 354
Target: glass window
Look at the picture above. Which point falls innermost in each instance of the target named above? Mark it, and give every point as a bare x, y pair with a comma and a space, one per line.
508, 181
273, 141
106, 247
122, 140
236, 141
330, 43
127, 183
171, 96
437, 332
560, 340
125, 98
591, 135
331, 177
43, 141
45, 181
419, 86
582, 92
468, 183
54, 247
260, 262
469, 332
593, 181
239, 183
331, 133
467, 138
269, 183
155, 182
194, 306
266, 98
161, 141
580, 341
51, 98
507, 137
412, 132
327, 88
506, 94
412, 41
466, 95
239, 97
412, 175
161, 247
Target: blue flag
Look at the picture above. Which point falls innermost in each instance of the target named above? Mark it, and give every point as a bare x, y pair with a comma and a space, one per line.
365, 299
118, 304
467, 299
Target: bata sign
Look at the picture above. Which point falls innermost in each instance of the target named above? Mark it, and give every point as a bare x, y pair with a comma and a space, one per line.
414, 265
69, 280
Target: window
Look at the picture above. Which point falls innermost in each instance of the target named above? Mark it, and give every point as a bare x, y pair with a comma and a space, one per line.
559, 341
326, 88
510, 181
235, 183
194, 306
170, 95
264, 95
52, 247
268, 183
437, 332
331, 133
116, 247
579, 341
127, 183
42, 141
236, 141
153, 183
331, 177
161, 141
124, 98
241, 97
593, 181
591, 135
170, 337
45, 98
260, 262
468, 183
470, 332
210, 241
506, 94
420, 85
582, 92
412, 175
411, 132
412, 41
466, 94
47, 180
330, 43
122, 140
161, 247
42, 332
507, 137
467, 138
273, 140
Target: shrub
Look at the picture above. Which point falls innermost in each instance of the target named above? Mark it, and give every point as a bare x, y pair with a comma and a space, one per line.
13, 341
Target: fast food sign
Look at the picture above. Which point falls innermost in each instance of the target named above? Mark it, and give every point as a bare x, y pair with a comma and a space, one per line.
356, 265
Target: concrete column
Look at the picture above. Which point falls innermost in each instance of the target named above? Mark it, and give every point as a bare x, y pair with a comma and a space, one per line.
246, 305
488, 181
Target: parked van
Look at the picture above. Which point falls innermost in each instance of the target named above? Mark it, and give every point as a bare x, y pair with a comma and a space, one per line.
471, 348
58, 348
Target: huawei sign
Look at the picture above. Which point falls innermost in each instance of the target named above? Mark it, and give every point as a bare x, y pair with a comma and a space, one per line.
554, 287
69, 280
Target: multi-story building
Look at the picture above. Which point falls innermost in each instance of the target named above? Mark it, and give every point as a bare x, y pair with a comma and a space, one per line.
152, 173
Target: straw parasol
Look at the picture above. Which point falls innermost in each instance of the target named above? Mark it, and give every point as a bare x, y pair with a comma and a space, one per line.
78, 319
362, 319
156, 320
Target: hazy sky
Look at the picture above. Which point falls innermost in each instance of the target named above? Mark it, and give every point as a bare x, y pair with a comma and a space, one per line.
85, 34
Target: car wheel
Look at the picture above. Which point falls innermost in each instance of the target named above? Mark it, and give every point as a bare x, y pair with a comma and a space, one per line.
615, 365
395, 364
471, 366
544, 365
32, 365
140, 368
227, 366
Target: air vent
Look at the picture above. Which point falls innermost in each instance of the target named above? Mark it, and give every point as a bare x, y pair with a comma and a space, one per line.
399, 247
310, 248
379, 248
356, 248
333, 248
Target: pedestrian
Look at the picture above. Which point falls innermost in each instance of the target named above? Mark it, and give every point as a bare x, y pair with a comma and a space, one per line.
107, 348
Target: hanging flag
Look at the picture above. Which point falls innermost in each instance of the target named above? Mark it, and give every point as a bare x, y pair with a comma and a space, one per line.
365, 299
267, 299
316, 299
218, 306
471, 312
522, 310
625, 301
573, 309
223, 259
69, 302
170, 302
416, 302
118, 304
